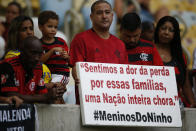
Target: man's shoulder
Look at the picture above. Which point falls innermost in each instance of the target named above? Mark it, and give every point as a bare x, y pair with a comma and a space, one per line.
116, 40
59, 39
13, 61
5, 67
39, 67
146, 43
114, 37
84, 34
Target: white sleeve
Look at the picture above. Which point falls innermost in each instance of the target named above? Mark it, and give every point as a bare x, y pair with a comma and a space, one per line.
194, 59
2, 47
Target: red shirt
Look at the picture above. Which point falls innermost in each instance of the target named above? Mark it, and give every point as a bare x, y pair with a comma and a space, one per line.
89, 47
145, 53
15, 79
56, 63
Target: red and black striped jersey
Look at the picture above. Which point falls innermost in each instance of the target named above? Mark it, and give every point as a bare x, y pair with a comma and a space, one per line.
145, 53
14, 78
56, 63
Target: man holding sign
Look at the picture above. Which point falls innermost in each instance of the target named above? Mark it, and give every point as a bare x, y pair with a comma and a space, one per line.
97, 44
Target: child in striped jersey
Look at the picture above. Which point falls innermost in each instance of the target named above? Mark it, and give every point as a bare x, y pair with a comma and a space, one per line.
55, 49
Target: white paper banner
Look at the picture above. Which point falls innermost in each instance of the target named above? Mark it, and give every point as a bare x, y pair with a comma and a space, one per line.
128, 95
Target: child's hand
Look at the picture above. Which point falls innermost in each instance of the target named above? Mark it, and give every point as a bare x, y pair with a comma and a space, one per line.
58, 50
65, 55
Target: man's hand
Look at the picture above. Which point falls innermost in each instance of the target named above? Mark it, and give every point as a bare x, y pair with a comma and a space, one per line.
61, 89
56, 91
14, 100
193, 105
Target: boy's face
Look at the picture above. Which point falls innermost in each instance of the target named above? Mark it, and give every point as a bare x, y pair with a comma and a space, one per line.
49, 29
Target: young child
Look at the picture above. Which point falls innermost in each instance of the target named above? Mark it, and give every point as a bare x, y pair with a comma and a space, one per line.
55, 49
147, 31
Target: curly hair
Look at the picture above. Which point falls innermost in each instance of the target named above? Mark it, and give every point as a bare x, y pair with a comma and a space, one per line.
14, 30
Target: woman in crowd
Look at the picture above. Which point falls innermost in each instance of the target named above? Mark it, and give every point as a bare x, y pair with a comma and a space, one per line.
13, 10
168, 43
20, 28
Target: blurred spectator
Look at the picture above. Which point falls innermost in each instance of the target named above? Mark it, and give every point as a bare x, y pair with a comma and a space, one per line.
58, 6
145, 13
13, 10
161, 12
147, 31
122, 7
23, 75
168, 43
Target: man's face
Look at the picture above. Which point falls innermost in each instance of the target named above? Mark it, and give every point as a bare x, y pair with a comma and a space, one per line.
102, 16
31, 54
130, 38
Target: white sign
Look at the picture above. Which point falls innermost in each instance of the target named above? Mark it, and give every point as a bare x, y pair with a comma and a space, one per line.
128, 95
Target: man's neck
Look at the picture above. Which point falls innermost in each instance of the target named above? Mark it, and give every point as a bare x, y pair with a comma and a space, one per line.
104, 34
25, 66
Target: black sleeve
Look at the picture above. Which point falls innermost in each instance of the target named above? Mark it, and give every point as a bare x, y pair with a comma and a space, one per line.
8, 80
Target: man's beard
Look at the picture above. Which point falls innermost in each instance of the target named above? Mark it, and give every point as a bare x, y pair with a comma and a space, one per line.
130, 45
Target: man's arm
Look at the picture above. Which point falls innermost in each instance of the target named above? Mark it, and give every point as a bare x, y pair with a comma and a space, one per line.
11, 100
42, 98
77, 53
74, 74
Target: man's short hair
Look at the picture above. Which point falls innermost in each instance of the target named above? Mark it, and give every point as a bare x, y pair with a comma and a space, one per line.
17, 5
147, 25
131, 22
99, 2
45, 16
27, 42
